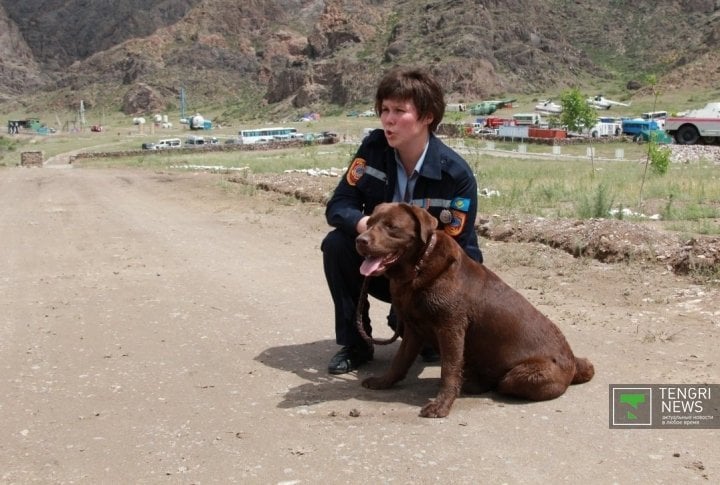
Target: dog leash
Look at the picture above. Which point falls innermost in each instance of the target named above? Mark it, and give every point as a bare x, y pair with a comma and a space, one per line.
362, 302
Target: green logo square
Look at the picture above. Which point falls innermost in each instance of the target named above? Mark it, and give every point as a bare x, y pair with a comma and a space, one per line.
631, 406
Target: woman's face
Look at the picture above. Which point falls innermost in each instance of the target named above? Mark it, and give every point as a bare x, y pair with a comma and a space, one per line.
400, 121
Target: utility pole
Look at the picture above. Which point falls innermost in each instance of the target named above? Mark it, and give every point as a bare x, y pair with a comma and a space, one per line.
182, 104
82, 115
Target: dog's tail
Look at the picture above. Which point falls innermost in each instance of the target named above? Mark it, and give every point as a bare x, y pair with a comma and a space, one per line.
584, 370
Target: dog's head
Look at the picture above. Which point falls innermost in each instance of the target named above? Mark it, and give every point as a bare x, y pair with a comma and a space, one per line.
397, 234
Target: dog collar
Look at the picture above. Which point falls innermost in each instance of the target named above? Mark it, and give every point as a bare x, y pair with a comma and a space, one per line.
428, 249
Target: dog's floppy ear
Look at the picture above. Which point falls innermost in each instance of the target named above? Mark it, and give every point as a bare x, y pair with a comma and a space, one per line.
428, 223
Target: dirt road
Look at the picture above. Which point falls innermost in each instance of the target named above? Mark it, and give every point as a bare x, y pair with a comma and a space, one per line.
174, 328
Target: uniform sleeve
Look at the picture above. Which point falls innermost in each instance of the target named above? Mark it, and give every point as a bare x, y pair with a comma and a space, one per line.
467, 189
346, 206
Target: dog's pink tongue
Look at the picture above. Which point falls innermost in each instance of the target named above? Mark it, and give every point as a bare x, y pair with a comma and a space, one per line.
370, 265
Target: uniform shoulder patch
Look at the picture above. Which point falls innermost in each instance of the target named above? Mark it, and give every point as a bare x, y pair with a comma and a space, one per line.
457, 224
356, 171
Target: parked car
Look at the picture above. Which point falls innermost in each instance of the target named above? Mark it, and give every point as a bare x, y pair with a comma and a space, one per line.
322, 138
169, 143
149, 146
194, 141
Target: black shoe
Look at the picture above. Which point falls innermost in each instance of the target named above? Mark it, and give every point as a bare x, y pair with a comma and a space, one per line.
349, 358
429, 355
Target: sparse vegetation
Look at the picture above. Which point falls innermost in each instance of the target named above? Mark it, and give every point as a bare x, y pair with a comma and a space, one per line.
7, 146
596, 204
555, 186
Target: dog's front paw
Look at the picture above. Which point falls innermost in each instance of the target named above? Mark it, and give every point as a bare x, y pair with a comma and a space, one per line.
377, 383
434, 409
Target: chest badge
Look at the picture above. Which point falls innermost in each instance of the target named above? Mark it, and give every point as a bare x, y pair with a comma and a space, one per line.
445, 216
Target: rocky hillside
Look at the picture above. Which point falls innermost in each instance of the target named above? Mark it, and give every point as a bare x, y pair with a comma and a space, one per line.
19, 72
256, 55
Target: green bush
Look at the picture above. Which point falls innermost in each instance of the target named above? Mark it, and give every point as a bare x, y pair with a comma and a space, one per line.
659, 158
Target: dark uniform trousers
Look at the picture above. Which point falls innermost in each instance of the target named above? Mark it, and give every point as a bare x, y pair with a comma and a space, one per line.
341, 263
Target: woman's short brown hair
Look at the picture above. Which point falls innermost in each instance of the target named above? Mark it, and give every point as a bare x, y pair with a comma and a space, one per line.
416, 85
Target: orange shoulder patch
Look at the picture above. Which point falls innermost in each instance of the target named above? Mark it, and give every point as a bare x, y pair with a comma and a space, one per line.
456, 224
356, 171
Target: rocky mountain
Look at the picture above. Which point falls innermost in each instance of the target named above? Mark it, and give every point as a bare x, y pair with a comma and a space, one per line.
259, 55
19, 72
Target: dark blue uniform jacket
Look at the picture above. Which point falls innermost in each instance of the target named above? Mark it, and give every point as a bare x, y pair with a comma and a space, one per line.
446, 185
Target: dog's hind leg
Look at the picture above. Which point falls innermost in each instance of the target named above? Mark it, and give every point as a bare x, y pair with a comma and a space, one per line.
475, 383
537, 379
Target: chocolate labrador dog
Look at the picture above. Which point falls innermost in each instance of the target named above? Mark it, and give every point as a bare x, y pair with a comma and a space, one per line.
488, 335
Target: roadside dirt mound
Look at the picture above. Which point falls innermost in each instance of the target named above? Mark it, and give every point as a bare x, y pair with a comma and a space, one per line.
606, 240
611, 241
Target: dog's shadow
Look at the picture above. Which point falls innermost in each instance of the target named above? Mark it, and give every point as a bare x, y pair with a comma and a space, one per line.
309, 361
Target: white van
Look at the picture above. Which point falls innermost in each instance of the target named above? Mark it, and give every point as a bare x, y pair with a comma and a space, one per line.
195, 140
169, 143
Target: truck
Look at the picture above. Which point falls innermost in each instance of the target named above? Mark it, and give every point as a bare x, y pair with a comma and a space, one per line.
197, 122
495, 122
698, 126
528, 119
455, 107
606, 126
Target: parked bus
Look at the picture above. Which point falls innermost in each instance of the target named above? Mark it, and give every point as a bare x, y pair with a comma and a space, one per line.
633, 126
658, 116
267, 135
654, 115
